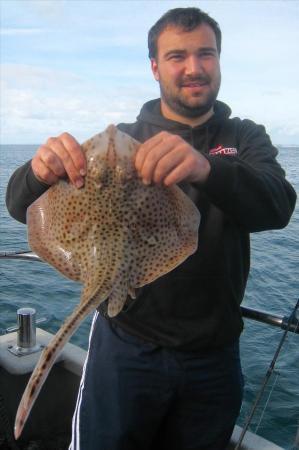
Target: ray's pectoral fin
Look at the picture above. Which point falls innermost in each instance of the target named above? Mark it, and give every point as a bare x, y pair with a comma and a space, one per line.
165, 238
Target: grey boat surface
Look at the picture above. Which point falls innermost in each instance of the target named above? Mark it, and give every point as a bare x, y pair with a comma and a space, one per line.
49, 424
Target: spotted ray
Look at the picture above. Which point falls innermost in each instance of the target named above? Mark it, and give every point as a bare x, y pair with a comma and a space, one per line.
114, 235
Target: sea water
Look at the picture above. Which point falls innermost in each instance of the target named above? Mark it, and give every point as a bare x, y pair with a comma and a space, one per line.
272, 286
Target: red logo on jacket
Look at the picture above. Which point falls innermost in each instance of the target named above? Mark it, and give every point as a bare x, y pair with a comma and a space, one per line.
230, 151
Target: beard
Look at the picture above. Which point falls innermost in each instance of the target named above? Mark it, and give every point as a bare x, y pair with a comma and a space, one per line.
197, 106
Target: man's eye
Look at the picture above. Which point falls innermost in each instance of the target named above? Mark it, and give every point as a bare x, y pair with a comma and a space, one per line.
176, 57
207, 53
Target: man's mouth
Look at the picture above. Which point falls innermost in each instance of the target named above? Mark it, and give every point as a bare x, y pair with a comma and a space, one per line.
195, 83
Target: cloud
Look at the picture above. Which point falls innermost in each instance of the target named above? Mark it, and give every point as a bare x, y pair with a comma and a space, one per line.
261, 102
39, 102
48, 102
78, 65
21, 31
51, 10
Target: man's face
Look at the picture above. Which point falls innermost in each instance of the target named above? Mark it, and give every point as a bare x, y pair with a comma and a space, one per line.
188, 71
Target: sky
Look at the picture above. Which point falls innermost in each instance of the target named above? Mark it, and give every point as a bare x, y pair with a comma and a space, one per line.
79, 65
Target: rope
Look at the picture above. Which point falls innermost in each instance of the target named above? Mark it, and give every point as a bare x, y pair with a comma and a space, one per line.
267, 401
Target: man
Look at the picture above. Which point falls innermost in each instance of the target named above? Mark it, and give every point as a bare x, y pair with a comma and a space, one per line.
165, 373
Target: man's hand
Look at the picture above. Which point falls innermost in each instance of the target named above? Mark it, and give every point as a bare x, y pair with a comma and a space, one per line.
60, 157
166, 158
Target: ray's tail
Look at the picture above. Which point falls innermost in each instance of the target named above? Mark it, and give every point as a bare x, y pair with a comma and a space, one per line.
46, 361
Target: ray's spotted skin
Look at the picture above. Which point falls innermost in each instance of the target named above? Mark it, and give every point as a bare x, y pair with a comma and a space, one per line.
114, 235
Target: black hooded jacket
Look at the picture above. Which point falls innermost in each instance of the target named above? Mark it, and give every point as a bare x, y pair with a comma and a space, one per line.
196, 307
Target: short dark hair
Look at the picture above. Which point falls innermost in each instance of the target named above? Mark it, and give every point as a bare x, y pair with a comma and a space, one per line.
185, 18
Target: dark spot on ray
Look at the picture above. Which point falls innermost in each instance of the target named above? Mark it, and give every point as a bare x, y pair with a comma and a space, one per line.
49, 355
33, 390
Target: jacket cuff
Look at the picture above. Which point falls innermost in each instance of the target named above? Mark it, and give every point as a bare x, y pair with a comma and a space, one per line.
34, 185
221, 179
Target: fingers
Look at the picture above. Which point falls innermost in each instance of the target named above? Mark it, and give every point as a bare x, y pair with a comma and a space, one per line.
145, 148
156, 157
75, 152
60, 157
179, 173
42, 172
168, 159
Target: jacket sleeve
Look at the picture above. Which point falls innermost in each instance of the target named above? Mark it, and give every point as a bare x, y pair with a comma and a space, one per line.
251, 187
22, 190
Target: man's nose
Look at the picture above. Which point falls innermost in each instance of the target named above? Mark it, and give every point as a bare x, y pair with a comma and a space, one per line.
193, 65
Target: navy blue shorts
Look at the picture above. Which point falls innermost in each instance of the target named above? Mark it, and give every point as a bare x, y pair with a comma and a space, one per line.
135, 395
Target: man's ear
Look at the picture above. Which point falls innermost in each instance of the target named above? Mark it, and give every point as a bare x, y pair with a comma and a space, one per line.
154, 66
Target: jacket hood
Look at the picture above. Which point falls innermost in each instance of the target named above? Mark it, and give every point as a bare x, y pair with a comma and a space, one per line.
151, 113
